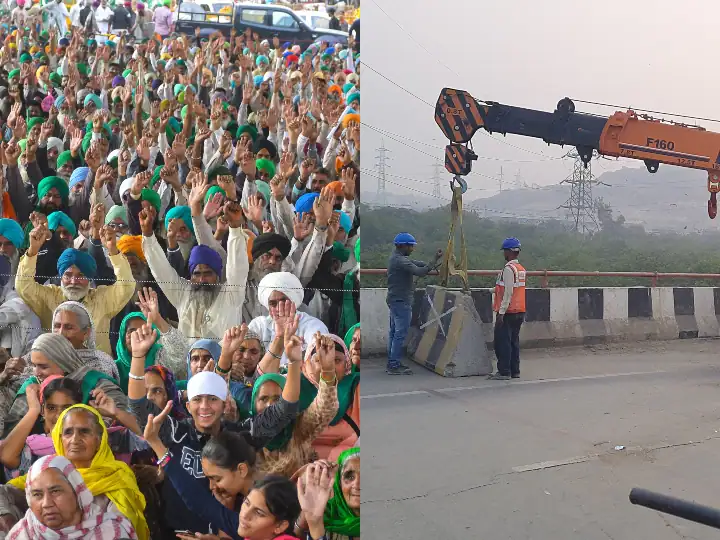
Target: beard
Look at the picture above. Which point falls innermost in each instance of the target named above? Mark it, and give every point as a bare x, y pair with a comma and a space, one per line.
72, 197
141, 275
204, 295
73, 293
186, 248
257, 273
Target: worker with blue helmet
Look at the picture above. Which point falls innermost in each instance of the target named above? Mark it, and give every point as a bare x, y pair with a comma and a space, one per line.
401, 273
509, 307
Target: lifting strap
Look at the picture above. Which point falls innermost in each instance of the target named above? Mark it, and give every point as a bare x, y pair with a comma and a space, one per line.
449, 267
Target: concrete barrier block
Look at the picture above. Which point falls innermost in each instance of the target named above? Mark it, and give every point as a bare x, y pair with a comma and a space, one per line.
375, 321
707, 321
450, 340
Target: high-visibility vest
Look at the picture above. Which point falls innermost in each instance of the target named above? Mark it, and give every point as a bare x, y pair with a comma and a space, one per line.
517, 301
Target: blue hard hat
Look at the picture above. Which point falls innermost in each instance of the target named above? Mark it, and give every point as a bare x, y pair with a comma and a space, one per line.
405, 239
511, 243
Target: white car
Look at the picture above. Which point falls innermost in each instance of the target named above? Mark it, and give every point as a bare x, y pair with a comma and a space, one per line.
315, 19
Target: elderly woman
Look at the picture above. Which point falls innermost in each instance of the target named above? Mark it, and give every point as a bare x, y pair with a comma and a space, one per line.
111, 483
282, 295
72, 320
61, 507
340, 519
52, 354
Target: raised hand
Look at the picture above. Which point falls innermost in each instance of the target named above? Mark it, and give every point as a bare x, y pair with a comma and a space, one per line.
286, 312
105, 405
152, 429
13, 368
325, 349
349, 179
97, 219
233, 338
214, 206
147, 221
302, 227
142, 340
32, 393
38, 236
255, 209
233, 214
293, 342
109, 240
148, 304
323, 206
315, 488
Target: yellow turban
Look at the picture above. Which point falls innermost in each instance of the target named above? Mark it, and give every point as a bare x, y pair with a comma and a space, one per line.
131, 244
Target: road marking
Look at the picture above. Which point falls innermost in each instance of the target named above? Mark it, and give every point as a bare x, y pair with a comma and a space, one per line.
540, 381
396, 394
557, 463
513, 383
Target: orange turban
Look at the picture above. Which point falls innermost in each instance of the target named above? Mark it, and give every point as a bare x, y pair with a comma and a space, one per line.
131, 244
336, 186
350, 118
251, 238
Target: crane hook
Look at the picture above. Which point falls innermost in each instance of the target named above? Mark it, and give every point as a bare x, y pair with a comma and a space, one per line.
461, 182
712, 206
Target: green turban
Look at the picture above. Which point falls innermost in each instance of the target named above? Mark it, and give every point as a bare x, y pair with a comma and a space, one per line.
55, 79
250, 130
14, 73
34, 122
25, 58
266, 165
212, 191
152, 197
63, 158
56, 182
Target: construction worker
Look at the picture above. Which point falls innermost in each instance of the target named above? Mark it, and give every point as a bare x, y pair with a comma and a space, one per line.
509, 306
401, 272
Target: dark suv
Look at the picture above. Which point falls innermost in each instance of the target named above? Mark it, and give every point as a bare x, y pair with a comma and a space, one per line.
267, 20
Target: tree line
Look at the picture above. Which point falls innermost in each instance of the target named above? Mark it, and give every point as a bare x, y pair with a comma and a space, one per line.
548, 245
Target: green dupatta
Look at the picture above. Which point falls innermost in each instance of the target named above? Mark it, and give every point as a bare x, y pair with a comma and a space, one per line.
339, 518
281, 439
89, 382
345, 392
124, 358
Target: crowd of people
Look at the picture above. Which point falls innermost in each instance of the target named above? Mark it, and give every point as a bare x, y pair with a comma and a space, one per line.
179, 275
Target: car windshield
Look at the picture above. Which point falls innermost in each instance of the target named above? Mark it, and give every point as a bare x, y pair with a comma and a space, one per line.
320, 22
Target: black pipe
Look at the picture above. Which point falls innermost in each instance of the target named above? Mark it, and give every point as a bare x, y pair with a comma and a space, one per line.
677, 507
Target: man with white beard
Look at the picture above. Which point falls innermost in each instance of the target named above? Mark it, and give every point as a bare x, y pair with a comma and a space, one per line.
19, 326
76, 270
12, 238
207, 306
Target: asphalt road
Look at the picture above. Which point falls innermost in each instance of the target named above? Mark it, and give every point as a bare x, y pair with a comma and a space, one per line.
535, 458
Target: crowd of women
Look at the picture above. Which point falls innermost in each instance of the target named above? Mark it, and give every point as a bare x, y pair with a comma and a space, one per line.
179, 287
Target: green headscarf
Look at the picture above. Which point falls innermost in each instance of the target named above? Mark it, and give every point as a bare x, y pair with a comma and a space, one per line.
349, 335
345, 392
124, 358
245, 128
339, 518
282, 438
156, 175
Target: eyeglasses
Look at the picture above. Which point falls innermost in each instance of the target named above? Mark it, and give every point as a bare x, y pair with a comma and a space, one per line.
118, 226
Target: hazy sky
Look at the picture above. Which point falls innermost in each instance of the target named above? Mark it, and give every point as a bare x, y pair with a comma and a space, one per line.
655, 54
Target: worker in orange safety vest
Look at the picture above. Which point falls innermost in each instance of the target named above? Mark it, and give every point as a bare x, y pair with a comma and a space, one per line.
509, 306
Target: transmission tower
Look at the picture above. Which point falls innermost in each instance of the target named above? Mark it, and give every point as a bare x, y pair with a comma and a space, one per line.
581, 207
436, 180
381, 165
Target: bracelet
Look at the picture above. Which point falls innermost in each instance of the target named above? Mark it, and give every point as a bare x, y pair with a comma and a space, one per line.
165, 459
274, 355
221, 370
135, 377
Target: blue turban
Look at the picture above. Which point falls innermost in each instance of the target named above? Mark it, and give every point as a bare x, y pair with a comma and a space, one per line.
78, 176
330, 51
345, 223
180, 212
209, 345
61, 219
59, 101
305, 203
205, 255
262, 59
74, 257
257, 80
10, 229
92, 98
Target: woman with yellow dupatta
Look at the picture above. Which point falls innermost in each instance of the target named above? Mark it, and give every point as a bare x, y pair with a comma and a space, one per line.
81, 436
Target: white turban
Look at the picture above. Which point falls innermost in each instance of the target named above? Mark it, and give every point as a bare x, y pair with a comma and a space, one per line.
54, 142
126, 185
283, 282
207, 383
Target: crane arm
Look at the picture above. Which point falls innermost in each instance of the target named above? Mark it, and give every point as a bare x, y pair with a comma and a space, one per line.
624, 134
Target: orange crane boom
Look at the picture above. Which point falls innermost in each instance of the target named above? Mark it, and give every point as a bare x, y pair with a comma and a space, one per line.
624, 134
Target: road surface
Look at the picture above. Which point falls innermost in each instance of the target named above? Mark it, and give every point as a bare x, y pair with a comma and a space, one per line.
535, 458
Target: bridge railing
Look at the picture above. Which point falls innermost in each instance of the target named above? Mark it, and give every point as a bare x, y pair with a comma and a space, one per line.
545, 275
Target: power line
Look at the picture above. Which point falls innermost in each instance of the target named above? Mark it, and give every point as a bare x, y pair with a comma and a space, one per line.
399, 86
416, 41
436, 179
610, 105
